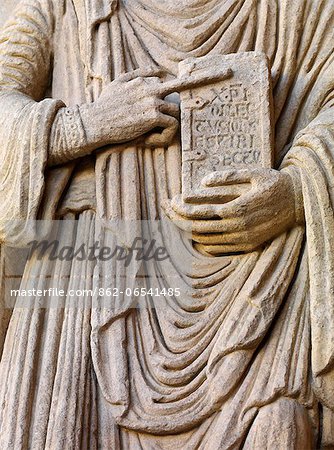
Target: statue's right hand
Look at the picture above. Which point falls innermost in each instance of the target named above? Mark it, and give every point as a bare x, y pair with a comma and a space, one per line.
130, 107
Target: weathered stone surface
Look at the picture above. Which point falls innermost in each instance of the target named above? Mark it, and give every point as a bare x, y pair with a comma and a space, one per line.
6, 7
226, 343
227, 124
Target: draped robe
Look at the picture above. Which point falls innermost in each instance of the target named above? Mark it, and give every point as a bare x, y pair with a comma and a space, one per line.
248, 328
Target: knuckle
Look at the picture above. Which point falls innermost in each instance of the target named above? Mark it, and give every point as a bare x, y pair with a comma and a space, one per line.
138, 81
153, 102
156, 103
244, 237
249, 248
198, 238
245, 223
240, 212
157, 114
173, 123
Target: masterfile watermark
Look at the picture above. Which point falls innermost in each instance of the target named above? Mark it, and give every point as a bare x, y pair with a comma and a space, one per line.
108, 264
141, 250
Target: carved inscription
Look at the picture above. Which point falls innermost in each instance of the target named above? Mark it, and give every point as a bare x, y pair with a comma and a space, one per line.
228, 127
226, 124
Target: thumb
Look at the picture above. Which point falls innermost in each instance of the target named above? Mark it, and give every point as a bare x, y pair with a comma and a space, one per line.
227, 177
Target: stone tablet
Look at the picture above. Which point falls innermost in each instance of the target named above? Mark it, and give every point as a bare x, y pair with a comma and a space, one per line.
226, 124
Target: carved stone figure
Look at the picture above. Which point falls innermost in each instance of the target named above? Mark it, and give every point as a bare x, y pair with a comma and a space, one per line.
89, 133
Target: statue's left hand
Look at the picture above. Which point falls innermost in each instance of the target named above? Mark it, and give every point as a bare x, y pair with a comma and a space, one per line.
265, 210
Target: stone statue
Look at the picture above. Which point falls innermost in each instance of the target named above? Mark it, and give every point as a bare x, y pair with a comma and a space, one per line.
89, 130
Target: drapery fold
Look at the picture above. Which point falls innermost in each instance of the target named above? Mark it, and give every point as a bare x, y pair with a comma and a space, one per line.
23, 165
313, 154
250, 321
25, 120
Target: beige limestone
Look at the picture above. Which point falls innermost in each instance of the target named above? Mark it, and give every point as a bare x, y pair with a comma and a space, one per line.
243, 356
227, 124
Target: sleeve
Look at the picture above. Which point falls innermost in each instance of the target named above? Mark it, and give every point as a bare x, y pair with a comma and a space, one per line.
26, 118
312, 156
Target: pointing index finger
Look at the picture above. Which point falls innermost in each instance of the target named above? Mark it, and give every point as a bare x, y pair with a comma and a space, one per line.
192, 81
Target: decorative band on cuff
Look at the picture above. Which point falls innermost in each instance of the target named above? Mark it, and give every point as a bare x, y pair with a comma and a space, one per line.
68, 138
74, 130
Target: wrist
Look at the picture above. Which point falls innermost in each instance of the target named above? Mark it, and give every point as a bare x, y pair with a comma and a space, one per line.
87, 116
94, 124
68, 138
